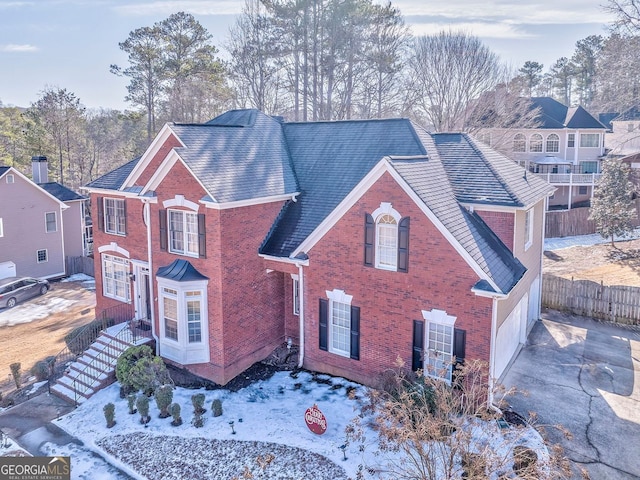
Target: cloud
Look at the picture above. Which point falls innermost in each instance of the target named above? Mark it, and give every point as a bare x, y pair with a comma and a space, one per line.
479, 29
11, 47
167, 7
516, 12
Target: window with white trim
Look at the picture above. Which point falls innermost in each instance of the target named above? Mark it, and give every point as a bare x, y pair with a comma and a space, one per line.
439, 340
1, 228
589, 140
42, 255
170, 313
553, 143
10, 178
386, 242
571, 140
194, 316
114, 216
183, 232
528, 228
339, 322
296, 295
519, 143
115, 278
535, 143
51, 224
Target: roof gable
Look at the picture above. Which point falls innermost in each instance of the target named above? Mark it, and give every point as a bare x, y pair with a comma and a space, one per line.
554, 114
115, 179
61, 192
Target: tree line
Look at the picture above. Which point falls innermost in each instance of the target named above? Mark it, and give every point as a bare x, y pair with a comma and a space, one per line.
312, 60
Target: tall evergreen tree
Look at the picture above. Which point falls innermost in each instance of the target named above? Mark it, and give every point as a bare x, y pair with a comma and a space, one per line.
611, 208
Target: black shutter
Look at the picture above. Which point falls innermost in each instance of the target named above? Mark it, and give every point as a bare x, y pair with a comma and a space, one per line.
124, 221
403, 245
163, 229
202, 236
459, 344
369, 239
355, 333
324, 317
100, 201
418, 345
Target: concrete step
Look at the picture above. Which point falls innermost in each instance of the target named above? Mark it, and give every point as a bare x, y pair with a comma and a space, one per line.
83, 385
67, 394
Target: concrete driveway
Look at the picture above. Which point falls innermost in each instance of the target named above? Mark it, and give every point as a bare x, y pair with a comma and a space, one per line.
585, 376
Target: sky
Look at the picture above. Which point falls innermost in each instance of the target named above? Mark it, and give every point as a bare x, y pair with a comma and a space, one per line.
71, 43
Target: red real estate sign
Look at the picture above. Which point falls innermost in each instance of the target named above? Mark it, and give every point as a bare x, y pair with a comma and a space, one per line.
315, 420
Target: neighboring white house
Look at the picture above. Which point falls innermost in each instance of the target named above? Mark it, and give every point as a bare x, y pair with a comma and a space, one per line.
565, 148
41, 222
624, 138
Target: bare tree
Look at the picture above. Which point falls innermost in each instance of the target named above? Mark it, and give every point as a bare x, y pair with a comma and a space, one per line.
429, 429
627, 14
450, 69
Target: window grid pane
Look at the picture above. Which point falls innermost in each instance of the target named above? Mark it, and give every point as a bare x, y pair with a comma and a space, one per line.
519, 143
535, 143
440, 350
553, 143
193, 321
191, 220
51, 222
341, 327
116, 277
589, 140
387, 241
42, 256
170, 318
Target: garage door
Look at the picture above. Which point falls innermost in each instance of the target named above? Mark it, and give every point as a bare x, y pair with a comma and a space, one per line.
509, 334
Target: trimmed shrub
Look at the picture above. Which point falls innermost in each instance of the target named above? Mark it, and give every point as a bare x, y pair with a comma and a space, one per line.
128, 359
138, 369
198, 403
175, 413
40, 370
16, 373
131, 403
216, 407
198, 420
142, 402
109, 414
164, 397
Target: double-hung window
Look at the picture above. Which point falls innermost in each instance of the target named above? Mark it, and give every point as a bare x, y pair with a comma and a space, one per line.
387, 242
528, 228
194, 316
535, 143
170, 313
296, 295
553, 143
386, 239
442, 343
115, 216
183, 232
339, 325
51, 225
115, 278
589, 140
519, 143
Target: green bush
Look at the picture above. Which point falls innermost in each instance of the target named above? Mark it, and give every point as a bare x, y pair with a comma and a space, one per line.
128, 359
109, 414
131, 403
16, 373
164, 397
79, 339
138, 369
142, 402
175, 413
216, 407
198, 403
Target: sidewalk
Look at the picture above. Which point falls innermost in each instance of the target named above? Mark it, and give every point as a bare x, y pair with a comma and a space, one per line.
584, 240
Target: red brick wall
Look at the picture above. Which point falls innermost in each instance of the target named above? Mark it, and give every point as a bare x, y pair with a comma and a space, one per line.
390, 301
502, 224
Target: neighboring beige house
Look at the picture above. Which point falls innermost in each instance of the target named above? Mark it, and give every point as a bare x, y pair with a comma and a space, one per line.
41, 222
624, 138
565, 149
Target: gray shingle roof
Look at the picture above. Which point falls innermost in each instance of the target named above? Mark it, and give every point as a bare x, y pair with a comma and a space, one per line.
61, 192
115, 178
3, 170
239, 155
481, 175
330, 159
631, 114
554, 114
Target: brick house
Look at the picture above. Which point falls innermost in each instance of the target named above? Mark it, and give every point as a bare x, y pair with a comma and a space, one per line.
361, 241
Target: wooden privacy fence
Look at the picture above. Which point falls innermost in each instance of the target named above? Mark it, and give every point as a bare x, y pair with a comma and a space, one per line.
566, 223
79, 265
616, 303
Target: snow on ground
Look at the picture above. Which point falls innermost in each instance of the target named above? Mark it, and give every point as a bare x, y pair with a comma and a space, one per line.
29, 311
86, 281
271, 441
585, 240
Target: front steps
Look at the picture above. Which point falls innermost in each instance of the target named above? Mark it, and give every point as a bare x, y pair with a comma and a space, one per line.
95, 368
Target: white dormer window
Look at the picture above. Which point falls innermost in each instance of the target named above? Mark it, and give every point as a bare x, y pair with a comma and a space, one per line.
386, 239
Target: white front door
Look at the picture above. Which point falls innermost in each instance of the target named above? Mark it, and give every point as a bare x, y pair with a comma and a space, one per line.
143, 298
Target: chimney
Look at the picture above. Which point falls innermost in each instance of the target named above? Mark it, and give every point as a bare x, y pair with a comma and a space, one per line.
40, 169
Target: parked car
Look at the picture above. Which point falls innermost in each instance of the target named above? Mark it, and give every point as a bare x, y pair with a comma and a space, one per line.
18, 289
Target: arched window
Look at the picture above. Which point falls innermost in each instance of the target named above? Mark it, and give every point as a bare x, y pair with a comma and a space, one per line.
386, 239
535, 143
519, 143
553, 143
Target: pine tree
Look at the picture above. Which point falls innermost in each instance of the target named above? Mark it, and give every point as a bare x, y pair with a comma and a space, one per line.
611, 207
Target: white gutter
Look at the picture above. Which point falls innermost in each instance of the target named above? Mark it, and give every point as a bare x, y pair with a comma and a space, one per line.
492, 350
301, 312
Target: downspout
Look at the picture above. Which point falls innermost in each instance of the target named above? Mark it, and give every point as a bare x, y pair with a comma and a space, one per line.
147, 217
492, 354
301, 314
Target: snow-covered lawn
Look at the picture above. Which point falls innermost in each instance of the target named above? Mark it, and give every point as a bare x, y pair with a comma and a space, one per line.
271, 439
